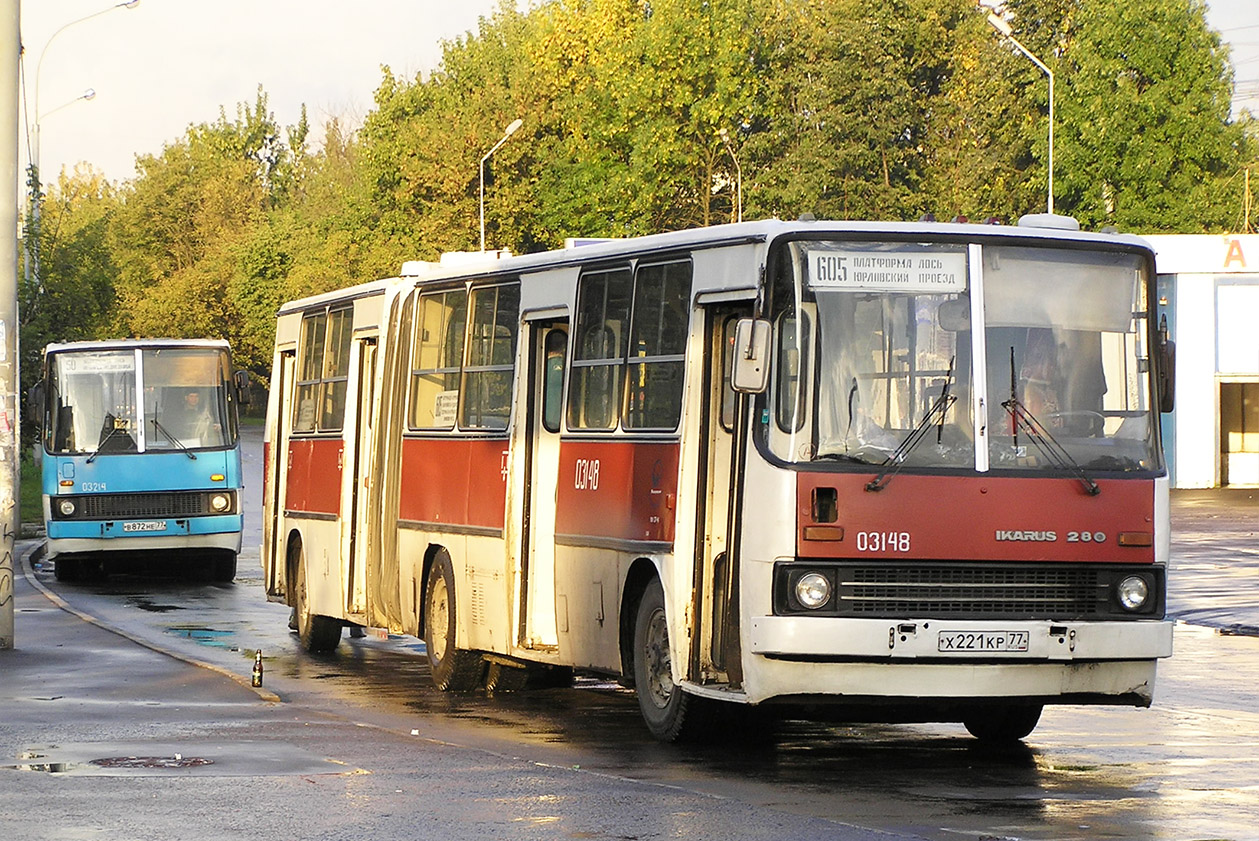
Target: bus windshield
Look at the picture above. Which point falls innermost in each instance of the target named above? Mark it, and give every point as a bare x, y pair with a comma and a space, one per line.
94, 404
882, 357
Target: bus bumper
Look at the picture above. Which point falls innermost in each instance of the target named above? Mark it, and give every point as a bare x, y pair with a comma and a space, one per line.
220, 533
917, 660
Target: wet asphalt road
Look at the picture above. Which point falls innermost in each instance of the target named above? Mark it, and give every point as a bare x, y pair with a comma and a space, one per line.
581, 764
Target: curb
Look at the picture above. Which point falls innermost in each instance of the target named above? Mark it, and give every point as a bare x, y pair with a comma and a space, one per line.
27, 560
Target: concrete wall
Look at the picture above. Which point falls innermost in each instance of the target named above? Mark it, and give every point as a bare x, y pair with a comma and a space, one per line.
1210, 292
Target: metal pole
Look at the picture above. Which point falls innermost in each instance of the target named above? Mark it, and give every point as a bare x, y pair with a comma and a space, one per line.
508, 132
998, 23
10, 14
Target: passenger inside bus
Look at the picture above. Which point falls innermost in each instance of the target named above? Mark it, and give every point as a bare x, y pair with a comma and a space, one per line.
191, 420
1062, 380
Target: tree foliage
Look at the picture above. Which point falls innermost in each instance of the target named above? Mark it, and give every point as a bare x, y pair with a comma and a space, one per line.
649, 115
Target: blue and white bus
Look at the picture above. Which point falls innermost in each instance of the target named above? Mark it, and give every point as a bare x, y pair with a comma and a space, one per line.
141, 455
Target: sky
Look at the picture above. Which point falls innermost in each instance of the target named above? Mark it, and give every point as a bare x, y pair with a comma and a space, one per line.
164, 65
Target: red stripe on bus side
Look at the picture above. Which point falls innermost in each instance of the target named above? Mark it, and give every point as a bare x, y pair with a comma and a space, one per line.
456, 481
314, 476
617, 490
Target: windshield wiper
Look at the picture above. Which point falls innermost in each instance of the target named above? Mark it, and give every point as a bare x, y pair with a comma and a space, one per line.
1041, 437
114, 429
893, 463
180, 444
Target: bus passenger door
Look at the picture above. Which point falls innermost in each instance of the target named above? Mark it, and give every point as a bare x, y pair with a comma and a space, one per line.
277, 478
548, 350
361, 469
716, 658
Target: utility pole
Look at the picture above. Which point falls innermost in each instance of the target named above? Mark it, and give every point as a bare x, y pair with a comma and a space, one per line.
10, 39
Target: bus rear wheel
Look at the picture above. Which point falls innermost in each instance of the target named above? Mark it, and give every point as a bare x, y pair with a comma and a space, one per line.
1003, 724
670, 712
453, 669
318, 634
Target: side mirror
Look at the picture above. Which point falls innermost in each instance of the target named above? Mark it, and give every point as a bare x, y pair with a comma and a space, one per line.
241, 380
749, 372
35, 405
1167, 377
1166, 369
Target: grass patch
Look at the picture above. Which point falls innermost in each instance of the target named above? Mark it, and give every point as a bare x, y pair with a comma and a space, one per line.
31, 502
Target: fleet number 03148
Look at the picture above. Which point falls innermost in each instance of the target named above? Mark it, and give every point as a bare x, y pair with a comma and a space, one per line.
882, 541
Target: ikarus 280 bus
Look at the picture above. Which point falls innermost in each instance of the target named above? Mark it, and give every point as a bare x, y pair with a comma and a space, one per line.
907, 471
141, 455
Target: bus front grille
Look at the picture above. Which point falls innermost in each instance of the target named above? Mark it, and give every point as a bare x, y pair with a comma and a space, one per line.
138, 506
970, 590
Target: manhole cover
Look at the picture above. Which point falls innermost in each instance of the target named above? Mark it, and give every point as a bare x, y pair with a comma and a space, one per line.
176, 761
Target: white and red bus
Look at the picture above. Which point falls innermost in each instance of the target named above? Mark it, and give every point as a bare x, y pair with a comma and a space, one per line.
909, 470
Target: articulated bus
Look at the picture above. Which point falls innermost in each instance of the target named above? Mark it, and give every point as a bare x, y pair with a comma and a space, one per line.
911, 472
141, 456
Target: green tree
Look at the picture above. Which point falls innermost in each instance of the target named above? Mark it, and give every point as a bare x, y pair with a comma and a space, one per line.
185, 219
1143, 135
73, 296
855, 89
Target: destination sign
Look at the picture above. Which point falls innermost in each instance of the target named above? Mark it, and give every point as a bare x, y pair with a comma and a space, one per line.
918, 272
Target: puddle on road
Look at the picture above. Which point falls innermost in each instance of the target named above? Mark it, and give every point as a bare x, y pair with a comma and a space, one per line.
206, 636
151, 606
222, 759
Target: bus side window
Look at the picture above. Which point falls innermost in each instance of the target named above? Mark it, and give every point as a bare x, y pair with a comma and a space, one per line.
603, 303
662, 297
437, 357
324, 372
310, 367
336, 374
791, 366
486, 398
728, 395
556, 348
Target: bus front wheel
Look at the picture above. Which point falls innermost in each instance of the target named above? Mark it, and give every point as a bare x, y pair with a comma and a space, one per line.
668, 711
223, 567
453, 669
1005, 723
318, 634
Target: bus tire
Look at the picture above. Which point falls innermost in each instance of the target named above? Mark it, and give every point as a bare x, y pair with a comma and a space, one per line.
453, 669
667, 709
1003, 724
223, 567
318, 634
66, 568
500, 678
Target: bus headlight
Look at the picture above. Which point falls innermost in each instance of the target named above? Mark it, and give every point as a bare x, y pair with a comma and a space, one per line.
66, 507
813, 590
220, 503
1133, 593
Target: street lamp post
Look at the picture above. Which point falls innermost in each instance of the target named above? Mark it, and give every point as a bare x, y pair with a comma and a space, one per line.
36, 183
508, 132
37, 194
39, 69
998, 23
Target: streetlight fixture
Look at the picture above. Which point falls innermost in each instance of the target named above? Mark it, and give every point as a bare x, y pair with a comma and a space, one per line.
998, 23
39, 68
508, 132
738, 174
36, 183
